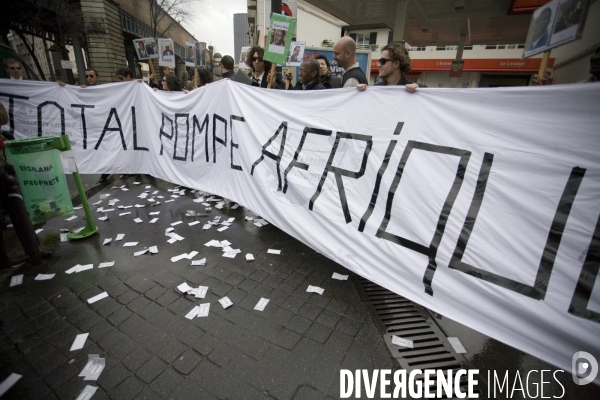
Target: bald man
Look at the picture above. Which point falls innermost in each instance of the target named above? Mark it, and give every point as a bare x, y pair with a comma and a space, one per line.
344, 52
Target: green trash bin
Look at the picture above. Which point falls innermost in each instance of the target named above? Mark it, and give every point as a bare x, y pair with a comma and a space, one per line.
42, 180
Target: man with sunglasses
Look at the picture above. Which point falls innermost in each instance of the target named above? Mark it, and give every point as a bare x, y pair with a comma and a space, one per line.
13, 67
393, 65
260, 68
92, 77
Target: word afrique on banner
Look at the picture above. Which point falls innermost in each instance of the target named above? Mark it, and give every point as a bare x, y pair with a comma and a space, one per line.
489, 191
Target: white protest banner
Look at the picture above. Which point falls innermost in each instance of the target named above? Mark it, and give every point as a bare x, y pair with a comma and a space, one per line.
480, 204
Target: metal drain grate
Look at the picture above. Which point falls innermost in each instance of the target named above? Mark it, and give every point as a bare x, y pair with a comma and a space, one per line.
395, 315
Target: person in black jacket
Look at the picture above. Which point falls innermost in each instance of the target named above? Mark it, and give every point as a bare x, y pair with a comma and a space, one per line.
328, 80
260, 68
344, 52
226, 66
309, 76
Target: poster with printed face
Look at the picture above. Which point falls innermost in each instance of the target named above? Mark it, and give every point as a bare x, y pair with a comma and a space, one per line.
242, 60
279, 39
145, 48
554, 24
167, 55
190, 54
296, 54
201, 54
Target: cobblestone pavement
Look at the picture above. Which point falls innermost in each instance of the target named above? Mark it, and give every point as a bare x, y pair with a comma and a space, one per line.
293, 349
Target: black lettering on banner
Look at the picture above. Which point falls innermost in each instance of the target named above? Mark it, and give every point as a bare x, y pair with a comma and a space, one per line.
196, 123
134, 124
431, 250
62, 116
538, 290
382, 169
187, 136
587, 278
277, 158
11, 109
107, 129
218, 139
163, 133
339, 172
234, 145
83, 125
295, 162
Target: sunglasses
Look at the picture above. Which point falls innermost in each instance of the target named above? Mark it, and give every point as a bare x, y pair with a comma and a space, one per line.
259, 59
382, 61
90, 76
17, 68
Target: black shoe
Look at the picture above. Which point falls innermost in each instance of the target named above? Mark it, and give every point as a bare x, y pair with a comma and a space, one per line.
103, 178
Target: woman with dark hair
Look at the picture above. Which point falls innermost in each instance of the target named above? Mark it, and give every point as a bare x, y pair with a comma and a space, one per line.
204, 77
171, 83
260, 68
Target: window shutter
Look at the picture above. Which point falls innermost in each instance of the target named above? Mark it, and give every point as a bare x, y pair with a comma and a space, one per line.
373, 38
353, 36
390, 36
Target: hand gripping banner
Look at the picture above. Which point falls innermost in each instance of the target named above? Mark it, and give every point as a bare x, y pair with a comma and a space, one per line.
480, 204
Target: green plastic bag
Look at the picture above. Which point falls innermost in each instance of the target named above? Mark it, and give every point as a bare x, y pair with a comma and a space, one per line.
42, 181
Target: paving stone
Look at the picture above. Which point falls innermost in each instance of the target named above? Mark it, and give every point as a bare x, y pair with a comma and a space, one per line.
328, 318
110, 339
127, 297
150, 310
206, 345
189, 389
70, 389
318, 333
120, 316
222, 289
149, 394
131, 324
107, 282
307, 393
170, 349
222, 354
138, 304
128, 389
162, 318
47, 364
348, 326
187, 361
166, 382
310, 311
235, 279
167, 298
298, 324
136, 359
140, 283
181, 306
117, 290
259, 276
100, 329
190, 335
60, 375
338, 306
248, 285
151, 369
39, 352
111, 377
122, 349
155, 292
109, 307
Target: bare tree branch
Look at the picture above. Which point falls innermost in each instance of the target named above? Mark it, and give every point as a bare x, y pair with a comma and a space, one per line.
178, 10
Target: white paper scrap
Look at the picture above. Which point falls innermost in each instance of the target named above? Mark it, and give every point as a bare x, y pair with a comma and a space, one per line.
140, 205
79, 341
339, 277
193, 312
231, 219
168, 201
93, 368
273, 251
137, 183
226, 302
106, 210
179, 257
85, 267
204, 309
87, 393
138, 220
71, 218
262, 303
78, 229
154, 213
124, 189
225, 243
199, 292
184, 287
223, 229
73, 269
176, 223
153, 249
199, 262
44, 277
64, 237
120, 236
249, 218
106, 264
9, 382
153, 220
206, 226
169, 230
96, 203
16, 280
171, 241
315, 289
97, 297
37, 231
233, 207
194, 223
125, 213
192, 255
249, 257
130, 244
103, 218
229, 255
457, 345
398, 341
139, 253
